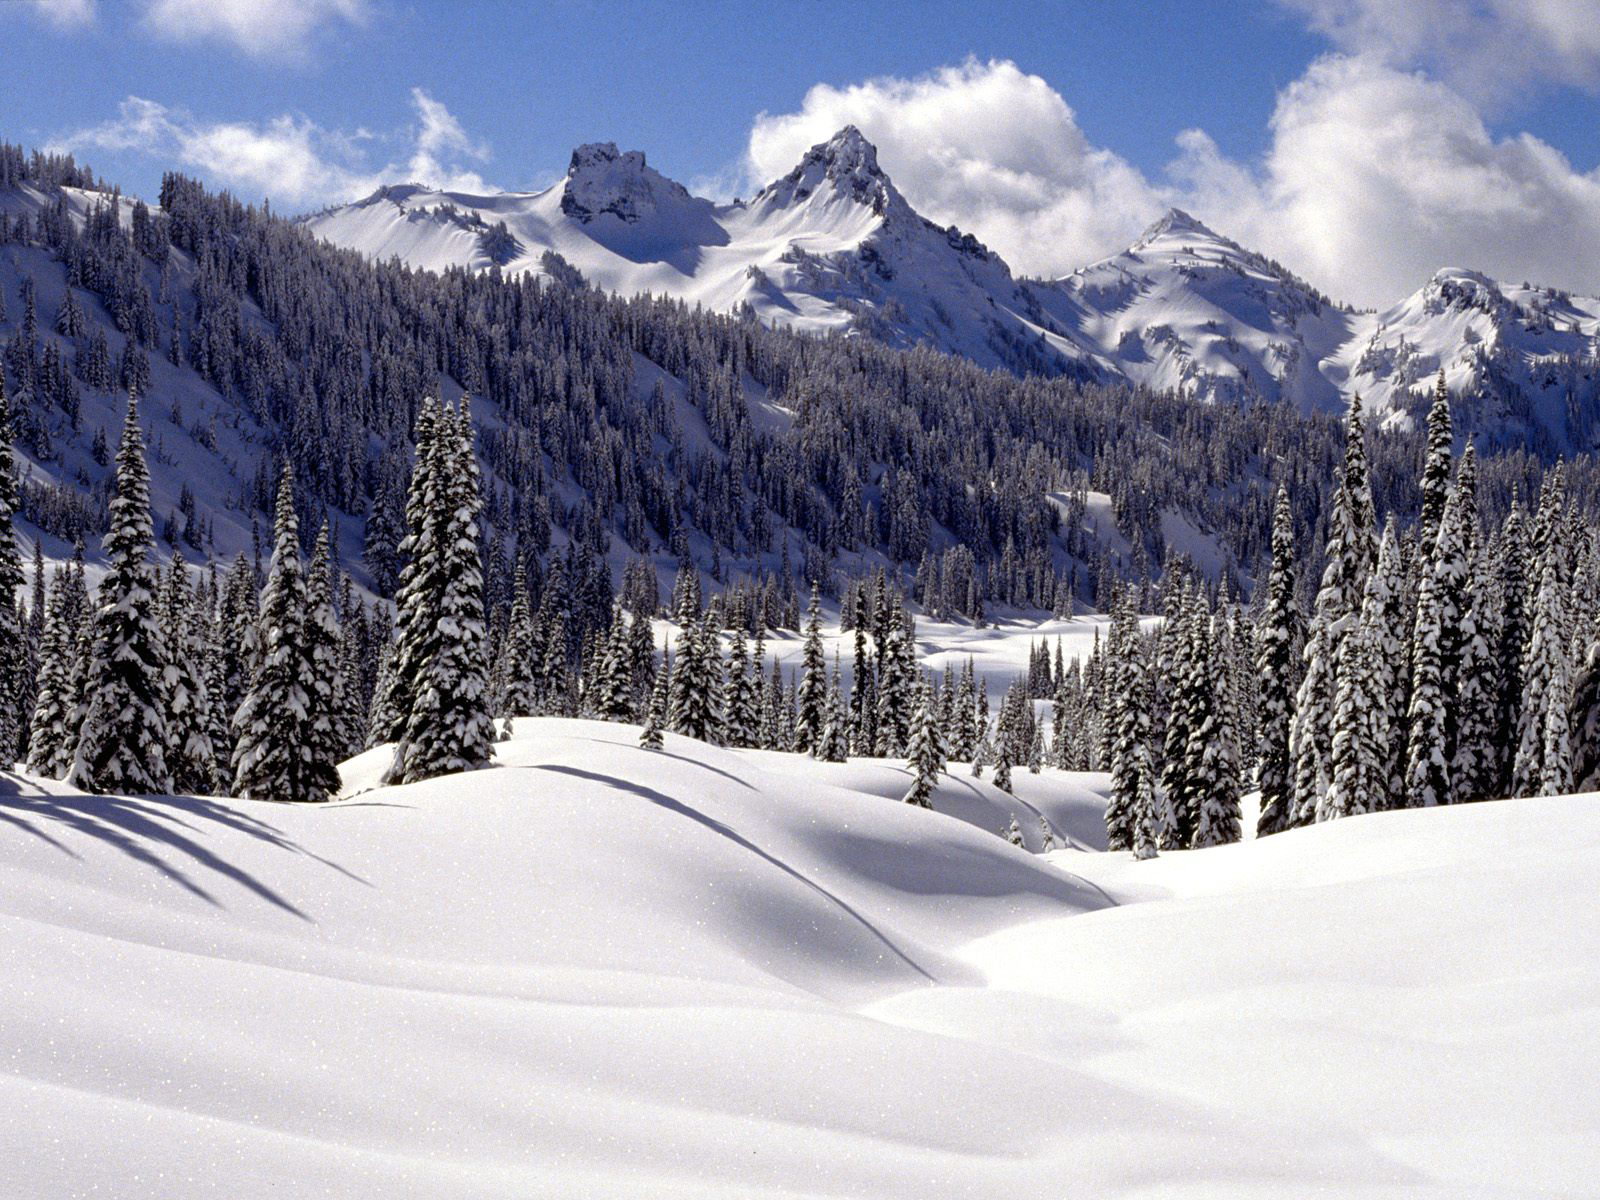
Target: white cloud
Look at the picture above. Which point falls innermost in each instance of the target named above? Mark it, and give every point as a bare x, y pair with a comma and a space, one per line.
984, 146
65, 14
440, 138
1487, 50
1378, 177
258, 27
288, 159
1375, 177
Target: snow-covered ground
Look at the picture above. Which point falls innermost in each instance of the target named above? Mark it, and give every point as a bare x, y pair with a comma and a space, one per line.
598, 971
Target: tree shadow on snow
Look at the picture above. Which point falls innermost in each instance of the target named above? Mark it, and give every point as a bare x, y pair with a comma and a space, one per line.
744, 843
146, 827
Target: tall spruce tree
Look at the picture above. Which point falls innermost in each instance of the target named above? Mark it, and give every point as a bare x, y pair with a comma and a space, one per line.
1350, 554
190, 754
52, 738
1277, 659
324, 742
811, 697
122, 739
14, 682
1130, 764
449, 727
269, 752
925, 758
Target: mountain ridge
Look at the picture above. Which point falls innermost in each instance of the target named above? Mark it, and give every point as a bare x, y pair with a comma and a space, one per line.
834, 247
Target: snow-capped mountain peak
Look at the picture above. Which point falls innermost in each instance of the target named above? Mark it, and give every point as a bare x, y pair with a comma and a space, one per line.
846, 165
601, 179
1175, 223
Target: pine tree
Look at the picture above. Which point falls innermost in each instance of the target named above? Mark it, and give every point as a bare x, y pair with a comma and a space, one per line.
449, 727
740, 705
650, 737
323, 742
614, 677
811, 698
52, 738
14, 684
123, 735
519, 692
1435, 473
190, 754
925, 758
1216, 806
1349, 557
836, 733
269, 728
417, 598
1473, 769
1277, 660
1013, 833
1543, 675
1130, 718
1047, 835
1145, 833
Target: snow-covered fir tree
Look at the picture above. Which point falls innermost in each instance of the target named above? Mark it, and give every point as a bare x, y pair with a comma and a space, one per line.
1279, 637
925, 757
449, 727
741, 706
52, 737
15, 685
1130, 717
122, 738
324, 742
190, 755
836, 730
1349, 556
270, 754
811, 696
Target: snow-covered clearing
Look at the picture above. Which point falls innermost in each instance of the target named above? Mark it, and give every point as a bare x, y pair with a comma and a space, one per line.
599, 971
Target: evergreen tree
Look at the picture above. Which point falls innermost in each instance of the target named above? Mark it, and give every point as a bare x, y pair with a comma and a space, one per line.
1543, 676
1216, 778
122, 739
925, 758
811, 697
449, 727
518, 693
324, 743
190, 754
421, 586
614, 677
1145, 834
14, 683
1349, 557
1277, 659
52, 736
836, 733
740, 705
1047, 835
1435, 472
269, 755
1013, 833
650, 737
1130, 718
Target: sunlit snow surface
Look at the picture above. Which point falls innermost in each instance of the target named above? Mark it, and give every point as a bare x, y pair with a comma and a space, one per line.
594, 970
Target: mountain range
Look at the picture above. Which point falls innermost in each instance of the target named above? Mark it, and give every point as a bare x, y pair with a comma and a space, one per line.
834, 247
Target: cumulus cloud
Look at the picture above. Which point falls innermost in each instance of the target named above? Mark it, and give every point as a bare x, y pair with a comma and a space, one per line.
1375, 177
1487, 50
984, 146
258, 27
289, 158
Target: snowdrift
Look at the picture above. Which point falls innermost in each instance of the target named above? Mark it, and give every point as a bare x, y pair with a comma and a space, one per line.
597, 971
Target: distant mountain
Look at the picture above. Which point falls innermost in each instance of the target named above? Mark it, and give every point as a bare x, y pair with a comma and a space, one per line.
834, 247
830, 247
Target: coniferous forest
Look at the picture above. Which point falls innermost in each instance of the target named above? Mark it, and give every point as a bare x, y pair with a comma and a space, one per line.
1389, 627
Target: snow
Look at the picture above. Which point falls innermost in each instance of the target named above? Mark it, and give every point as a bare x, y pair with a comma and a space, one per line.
594, 970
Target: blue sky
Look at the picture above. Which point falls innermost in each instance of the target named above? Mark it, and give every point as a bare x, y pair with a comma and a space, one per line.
1093, 108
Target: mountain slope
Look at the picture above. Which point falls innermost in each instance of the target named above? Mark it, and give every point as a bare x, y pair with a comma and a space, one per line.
596, 970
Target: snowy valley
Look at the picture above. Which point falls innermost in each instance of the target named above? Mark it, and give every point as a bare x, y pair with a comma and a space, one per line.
709, 972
